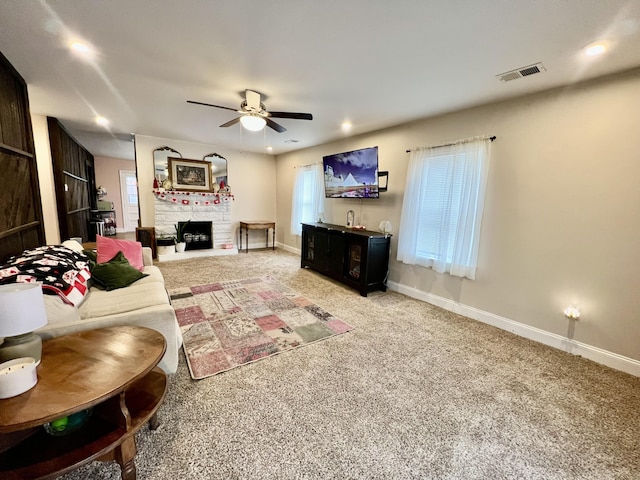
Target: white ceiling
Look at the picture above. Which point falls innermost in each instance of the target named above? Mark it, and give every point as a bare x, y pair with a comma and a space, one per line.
376, 63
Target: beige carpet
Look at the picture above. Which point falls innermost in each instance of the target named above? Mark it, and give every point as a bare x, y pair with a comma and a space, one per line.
413, 392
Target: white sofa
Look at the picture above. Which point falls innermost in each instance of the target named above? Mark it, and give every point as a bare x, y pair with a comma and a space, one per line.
144, 303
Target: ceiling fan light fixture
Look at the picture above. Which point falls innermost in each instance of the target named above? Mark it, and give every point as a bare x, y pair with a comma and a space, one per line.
254, 114
253, 122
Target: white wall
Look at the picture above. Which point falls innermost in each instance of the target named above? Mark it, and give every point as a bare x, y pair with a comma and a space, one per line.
45, 179
252, 179
561, 219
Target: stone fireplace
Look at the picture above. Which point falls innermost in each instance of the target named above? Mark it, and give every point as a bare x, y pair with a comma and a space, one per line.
201, 208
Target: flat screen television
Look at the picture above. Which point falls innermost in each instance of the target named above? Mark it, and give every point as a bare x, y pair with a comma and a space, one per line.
351, 174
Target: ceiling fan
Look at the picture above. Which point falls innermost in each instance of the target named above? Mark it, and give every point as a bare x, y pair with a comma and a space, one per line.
254, 115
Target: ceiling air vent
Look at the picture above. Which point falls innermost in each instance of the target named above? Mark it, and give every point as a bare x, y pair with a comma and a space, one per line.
521, 72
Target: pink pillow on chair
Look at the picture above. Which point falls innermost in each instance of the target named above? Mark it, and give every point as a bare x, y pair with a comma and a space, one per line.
109, 248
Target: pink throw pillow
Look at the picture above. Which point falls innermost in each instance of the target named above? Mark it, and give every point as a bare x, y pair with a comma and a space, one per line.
109, 248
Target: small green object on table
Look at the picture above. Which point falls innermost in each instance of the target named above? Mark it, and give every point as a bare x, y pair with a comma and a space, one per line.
69, 424
60, 424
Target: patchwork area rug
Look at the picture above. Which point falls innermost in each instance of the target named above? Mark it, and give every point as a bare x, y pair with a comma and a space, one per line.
232, 323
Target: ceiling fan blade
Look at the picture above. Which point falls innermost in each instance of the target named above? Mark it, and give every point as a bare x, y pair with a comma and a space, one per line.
231, 122
211, 105
298, 116
253, 99
276, 126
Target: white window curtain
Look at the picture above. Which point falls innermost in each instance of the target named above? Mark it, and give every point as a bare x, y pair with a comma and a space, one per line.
308, 196
442, 206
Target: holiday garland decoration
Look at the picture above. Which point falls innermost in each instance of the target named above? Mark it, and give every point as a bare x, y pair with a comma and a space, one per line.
195, 198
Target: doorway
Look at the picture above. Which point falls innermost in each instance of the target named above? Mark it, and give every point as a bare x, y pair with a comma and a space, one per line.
129, 192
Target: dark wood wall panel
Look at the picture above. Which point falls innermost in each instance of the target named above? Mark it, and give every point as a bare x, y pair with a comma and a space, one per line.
78, 222
73, 171
17, 205
12, 113
21, 225
77, 194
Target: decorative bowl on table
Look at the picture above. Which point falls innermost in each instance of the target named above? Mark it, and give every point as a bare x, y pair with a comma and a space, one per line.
69, 424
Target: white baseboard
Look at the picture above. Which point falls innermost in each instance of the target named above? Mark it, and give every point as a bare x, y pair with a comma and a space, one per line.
288, 248
604, 357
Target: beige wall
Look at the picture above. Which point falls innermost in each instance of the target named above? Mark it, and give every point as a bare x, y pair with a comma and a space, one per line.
562, 214
107, 172
45, 179
252, 178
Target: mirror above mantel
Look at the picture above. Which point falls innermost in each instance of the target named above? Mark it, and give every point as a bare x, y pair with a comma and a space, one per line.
219, 173
161, 163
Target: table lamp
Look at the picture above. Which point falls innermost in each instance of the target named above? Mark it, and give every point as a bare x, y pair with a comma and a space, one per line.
21, 312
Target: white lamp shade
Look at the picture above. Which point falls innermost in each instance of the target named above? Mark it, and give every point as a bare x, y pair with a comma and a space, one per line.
21, 308
254, 123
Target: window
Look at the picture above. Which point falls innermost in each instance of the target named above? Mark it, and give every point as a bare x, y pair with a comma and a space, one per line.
442, 207
308, 196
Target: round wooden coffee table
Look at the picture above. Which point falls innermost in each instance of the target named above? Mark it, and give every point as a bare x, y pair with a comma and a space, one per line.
112, 370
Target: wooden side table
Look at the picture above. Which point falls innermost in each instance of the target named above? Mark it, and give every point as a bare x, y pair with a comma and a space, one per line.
258, 225
112, 370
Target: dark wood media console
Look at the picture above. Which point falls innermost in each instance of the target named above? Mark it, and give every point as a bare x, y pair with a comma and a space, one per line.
357, 258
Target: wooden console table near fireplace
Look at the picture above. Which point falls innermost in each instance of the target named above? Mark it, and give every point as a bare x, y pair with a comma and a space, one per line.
111, 370
257, 225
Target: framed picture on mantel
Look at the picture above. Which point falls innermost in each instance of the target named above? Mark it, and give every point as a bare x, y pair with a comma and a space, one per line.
190, 175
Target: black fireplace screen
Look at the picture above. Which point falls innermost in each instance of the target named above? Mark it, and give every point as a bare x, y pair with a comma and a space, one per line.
197, 235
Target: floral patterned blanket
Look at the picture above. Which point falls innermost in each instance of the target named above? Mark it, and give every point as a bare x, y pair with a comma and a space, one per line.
61, 271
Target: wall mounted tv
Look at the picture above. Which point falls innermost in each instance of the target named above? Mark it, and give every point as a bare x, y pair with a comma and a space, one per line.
351, 174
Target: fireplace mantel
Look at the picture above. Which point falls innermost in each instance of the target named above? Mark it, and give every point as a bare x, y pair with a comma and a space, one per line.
195, 198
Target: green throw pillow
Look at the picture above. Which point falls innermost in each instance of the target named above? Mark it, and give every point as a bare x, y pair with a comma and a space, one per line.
93, 257
116, 273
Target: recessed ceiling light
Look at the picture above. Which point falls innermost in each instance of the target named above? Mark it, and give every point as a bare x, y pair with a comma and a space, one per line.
346, 126
269, 147
103, 122
595, 49
80, 47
